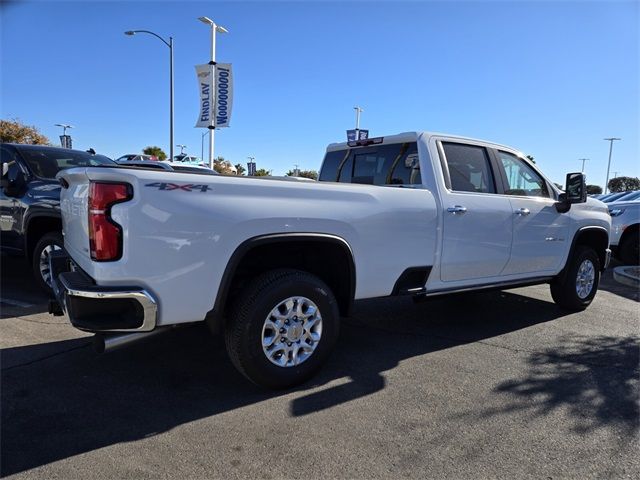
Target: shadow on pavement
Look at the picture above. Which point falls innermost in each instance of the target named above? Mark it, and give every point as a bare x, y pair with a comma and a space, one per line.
18, 285
596, 379
77, 401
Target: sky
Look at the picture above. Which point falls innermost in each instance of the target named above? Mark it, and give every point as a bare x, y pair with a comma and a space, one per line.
551, 79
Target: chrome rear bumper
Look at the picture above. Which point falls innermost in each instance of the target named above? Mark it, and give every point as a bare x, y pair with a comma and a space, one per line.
95, 308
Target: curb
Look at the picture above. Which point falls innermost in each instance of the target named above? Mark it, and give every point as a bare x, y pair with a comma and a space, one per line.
627, 276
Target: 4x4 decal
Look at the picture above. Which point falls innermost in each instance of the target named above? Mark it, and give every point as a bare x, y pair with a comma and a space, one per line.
187, 187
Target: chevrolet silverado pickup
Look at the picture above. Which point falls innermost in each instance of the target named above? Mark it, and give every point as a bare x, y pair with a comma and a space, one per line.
273, 264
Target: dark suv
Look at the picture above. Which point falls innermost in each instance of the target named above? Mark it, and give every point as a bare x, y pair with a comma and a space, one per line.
30, 222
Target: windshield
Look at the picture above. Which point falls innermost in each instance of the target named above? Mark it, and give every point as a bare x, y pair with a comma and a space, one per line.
47, 162
182, 168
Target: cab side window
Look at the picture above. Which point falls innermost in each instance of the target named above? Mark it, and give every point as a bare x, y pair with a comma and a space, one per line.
469, 168
522, 180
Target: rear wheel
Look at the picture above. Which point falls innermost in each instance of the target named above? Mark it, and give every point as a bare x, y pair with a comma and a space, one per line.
629, 249
282, 328
49, 242
577, 287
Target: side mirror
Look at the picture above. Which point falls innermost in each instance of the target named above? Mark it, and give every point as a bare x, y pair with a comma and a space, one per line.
575, 192
4, 181
576, 189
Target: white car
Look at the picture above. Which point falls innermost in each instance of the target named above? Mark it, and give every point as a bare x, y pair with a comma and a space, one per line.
625, 231
274, 264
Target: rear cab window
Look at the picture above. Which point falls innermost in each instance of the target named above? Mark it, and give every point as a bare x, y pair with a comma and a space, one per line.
390, 164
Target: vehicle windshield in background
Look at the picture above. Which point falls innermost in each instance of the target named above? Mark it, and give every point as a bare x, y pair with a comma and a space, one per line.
183, 168
46, 163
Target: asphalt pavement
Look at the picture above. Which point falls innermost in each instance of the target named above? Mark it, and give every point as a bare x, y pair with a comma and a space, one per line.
491, 385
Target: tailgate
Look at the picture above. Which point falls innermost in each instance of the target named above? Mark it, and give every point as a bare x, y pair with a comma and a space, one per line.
73, 204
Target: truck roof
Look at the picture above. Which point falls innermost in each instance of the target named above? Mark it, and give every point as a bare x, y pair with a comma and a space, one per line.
413, 137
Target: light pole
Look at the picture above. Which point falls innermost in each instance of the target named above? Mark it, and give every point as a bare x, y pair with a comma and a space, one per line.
64, 127
214, 28
65, 142
610, 140
182, 147
358, 112
204, 134
170, 45
251, 166
583, 160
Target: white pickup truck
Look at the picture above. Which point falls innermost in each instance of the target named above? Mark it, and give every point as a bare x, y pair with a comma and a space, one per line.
274, 264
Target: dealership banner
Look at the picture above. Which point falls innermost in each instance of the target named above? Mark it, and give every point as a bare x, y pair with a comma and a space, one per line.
215, 84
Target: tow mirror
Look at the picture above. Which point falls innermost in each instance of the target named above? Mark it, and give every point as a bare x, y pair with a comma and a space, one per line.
575, 192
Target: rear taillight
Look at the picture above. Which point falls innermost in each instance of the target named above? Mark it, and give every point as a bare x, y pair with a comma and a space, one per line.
105, 235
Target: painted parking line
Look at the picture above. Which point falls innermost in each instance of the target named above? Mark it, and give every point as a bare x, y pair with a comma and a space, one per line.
15, 303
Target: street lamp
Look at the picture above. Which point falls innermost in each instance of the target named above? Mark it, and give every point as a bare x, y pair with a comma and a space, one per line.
182, 147
64, 127
170, 45
214, 28
610, 140
204, 134
65, 141
583, 160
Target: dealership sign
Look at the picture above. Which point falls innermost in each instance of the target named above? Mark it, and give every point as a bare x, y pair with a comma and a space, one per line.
216, 95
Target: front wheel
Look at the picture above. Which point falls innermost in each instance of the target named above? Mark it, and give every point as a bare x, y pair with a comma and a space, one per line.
282, 328
49, 242
576, 289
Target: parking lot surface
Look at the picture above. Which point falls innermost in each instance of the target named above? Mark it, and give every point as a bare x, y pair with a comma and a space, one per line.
491, 385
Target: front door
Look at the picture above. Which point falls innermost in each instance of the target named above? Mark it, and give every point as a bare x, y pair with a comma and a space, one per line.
539, 231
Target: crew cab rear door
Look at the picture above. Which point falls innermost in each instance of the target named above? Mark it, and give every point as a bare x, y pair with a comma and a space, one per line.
477, 223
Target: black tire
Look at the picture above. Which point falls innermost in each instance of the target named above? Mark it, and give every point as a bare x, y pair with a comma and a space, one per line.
43, 276
243, 332
564, 287
629, 249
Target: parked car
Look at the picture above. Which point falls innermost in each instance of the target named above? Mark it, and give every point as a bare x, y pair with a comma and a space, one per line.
183, 158
612, 197
274, 264
625, 231
30, 201
628, 196
134, 157
169, 166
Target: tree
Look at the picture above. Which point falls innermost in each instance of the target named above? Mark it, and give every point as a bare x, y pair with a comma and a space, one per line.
155, 151
594, 189
240, 169
561, 187
223, 166
12, 131
531, 159
312, 174
622, 184
261, 172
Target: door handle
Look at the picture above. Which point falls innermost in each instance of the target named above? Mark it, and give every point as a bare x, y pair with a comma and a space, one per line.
457, 209
522, 212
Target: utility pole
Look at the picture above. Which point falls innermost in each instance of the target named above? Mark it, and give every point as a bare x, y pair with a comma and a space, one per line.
615, 174
182, 147
610, 140
296, 170
583, 160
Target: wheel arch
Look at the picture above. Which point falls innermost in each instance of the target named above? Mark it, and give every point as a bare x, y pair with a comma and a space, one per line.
595, 237
36, 226
327, 256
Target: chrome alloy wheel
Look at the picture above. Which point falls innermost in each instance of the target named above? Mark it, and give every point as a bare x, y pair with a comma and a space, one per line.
44, 262
291, 332
584, 280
